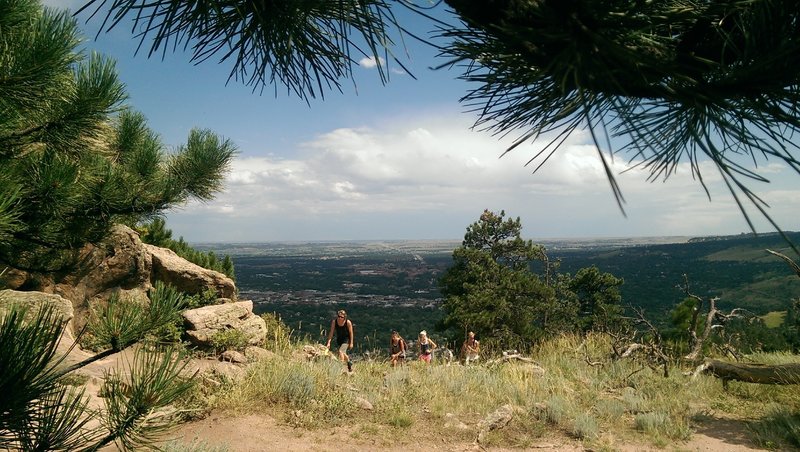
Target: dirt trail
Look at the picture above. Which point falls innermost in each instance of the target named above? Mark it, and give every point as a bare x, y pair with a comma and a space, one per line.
256, 433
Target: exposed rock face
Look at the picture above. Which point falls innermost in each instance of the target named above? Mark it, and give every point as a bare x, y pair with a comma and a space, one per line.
124, 265
186, 276
118, 264
203, 323
38, 300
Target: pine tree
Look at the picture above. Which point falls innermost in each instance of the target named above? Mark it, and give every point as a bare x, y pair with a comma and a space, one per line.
490, 288
74, 159
599, 299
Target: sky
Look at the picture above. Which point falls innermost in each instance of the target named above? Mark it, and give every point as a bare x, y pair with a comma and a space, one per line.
401, 160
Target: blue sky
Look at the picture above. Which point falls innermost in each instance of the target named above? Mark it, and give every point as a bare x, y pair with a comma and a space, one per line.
400, 161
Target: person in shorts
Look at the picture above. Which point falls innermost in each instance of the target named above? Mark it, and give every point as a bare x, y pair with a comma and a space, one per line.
397, 349
343, 328
426, 347
471, 349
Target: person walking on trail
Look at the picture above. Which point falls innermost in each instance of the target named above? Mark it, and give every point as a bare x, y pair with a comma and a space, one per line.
426, 347
471, 349
343, 328
397, 348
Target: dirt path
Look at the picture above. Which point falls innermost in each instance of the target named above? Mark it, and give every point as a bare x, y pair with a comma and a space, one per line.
255, 433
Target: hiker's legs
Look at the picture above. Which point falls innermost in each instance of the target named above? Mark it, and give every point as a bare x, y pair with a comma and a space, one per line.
343, 355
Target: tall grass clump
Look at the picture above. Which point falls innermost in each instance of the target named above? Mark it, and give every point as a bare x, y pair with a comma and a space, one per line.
585, 427
279, 335
663, 428
781, 427
316, 388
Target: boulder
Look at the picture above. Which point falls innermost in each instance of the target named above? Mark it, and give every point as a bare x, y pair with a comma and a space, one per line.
314, 352
254, 353
495, 420
120, 263
38, 300
232, 356
203, 323
186, 276
364, 404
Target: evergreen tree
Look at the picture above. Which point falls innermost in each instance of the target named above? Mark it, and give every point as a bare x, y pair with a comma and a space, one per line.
156, 233
703, 80
74, 159
40, 412
493, 289
309, 46
490, 288
599, 299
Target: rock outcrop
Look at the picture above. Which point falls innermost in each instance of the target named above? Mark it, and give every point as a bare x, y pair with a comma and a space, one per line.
120, 264
202, 324
186, 276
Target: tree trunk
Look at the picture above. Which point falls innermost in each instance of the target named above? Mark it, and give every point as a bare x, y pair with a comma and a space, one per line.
779, 374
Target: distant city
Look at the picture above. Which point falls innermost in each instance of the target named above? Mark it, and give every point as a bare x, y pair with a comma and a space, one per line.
384, 282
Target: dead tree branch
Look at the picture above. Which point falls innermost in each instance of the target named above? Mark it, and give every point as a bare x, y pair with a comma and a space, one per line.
714, 320
792, 264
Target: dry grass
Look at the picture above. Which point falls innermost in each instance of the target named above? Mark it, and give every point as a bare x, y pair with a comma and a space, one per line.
603, 404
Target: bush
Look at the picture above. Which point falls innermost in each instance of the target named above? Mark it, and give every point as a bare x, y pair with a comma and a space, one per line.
230, 339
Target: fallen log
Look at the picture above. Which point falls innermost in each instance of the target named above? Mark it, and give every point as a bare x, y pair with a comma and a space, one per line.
777, 374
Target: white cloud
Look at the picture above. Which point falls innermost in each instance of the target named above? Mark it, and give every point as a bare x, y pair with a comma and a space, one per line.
429, 178
371, 62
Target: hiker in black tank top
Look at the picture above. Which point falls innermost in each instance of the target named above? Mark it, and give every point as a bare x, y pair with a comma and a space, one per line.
397, 348
344, 336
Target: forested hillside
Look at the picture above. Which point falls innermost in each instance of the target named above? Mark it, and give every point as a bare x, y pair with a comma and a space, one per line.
737, 269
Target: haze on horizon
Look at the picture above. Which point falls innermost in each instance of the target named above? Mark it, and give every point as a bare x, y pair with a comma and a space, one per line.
400, 162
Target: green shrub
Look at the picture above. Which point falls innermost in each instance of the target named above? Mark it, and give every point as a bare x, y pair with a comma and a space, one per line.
400, 419
229, 339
